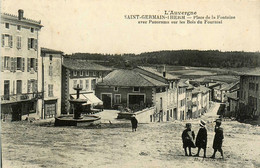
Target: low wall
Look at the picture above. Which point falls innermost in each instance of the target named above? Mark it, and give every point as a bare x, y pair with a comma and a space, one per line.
146, 115
143, 116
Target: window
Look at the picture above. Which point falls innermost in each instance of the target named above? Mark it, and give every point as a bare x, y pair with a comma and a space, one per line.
81, 73
32, 30
7, 25
32, 43
7, 63
136, 89
158, 90
117, 99
74, 83
94, 73
251, 86
7, 40
87, 84
50, 57
19, 63
50, 70
87, 73
50, 90
32, 64
93, 84
163, 89
19, 43
19, 27
75, 73
19, 87
116, 89
81, 83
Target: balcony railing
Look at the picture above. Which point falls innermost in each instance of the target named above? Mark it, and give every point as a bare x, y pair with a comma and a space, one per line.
20, 97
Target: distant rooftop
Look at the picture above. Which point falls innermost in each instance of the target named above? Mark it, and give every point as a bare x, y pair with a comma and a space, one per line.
76, 64
200, 89
130, 78
47, 50
154, 71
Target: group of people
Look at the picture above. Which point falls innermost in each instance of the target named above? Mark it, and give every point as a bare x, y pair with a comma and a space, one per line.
188, 139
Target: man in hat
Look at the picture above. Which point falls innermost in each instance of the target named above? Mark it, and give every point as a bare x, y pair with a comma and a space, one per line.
218, 139
188, 139
201, 139
134, 122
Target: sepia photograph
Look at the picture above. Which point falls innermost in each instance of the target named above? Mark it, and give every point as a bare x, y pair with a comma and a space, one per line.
128, 83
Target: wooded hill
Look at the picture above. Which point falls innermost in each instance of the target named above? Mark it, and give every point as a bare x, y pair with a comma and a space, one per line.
195, 58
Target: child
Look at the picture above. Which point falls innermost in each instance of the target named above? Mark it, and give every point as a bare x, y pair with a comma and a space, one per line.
201, 139
218, 139
188, 139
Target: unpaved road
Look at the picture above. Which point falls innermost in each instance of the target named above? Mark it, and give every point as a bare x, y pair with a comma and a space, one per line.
114, 145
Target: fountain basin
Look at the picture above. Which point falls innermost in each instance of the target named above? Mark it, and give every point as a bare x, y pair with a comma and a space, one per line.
69, 120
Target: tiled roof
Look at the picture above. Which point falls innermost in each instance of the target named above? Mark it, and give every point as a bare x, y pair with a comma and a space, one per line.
154, 71
47, 50
124, 77
76, 64
232, 95
200, 89
183, 83
228, 86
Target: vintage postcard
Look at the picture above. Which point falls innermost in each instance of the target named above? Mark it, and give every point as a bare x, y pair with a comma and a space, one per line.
128, 83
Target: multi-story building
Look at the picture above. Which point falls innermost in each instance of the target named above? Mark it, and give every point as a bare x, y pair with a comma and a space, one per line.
83, 74
50, 65
182, 102
19, 65
170, 110
132, 89
200, 101
249, 94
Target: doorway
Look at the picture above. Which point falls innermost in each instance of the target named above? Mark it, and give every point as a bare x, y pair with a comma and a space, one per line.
107, 100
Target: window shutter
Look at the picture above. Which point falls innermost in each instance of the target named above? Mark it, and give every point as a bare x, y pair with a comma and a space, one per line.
3, 40
23, 64
17, 41
36, 86
28, 86
10, 41
35, 44
2, 63
29, 43
12, 64
15, 64
28, 64
36, 64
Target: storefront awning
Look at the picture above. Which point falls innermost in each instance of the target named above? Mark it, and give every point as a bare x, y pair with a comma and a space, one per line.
91, 99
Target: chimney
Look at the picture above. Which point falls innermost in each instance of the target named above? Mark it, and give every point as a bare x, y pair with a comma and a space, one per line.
164, 71
20, 14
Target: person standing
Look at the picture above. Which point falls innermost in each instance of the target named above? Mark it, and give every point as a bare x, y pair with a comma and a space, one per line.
188, 139
218, 139
201, 139
134, 122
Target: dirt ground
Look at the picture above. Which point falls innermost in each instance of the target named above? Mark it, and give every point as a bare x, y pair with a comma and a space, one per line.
115, 145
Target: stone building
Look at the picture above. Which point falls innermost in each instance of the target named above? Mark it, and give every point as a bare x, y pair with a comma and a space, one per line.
249, 95
19, 65
80, 73
50, 82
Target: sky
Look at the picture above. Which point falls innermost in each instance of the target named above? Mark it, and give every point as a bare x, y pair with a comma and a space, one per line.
100, 26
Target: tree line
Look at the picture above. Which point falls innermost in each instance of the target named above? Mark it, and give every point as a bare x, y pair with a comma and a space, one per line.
195, 58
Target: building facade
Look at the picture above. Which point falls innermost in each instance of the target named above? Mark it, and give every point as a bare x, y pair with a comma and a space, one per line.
249, 95
79, 73
19, 61
50, 82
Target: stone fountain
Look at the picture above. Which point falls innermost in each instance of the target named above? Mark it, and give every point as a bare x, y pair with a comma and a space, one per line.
76, 119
